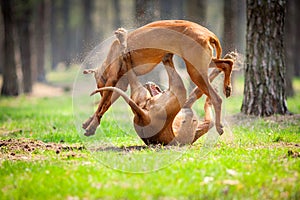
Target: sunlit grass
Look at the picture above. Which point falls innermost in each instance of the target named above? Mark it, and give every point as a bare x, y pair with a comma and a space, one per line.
255, 159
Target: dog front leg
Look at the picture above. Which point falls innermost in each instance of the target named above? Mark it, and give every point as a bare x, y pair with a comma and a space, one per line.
103, 106
94, 121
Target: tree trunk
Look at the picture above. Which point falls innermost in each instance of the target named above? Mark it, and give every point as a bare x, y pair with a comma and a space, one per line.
146, 11
230, 30
66, 32
117, 14
166, 8
24, 13
196, 11
40, 41
290, 41
297, 44
10, 79
87, 22
53, 35
230, 26
140, 12
1, 43
264, 89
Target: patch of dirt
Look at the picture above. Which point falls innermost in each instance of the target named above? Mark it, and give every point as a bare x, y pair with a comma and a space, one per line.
293, 154
45, 90
289, 145
29, 149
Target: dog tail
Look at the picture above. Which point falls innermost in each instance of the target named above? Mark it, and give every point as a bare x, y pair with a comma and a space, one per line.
130, 102
215, 41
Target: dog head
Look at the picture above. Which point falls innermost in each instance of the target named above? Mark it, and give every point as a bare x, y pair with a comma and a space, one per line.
153, 88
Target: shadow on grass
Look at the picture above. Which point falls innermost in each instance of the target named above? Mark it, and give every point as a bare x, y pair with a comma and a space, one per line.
132, 148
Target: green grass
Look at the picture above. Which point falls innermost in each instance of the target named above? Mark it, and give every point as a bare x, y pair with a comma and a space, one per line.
255, 159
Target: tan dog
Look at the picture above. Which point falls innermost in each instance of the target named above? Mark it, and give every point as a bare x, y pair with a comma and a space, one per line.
148, 45
162, 117
154, 115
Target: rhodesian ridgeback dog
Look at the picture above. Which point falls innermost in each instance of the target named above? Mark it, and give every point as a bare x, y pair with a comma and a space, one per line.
162, 117
148, 46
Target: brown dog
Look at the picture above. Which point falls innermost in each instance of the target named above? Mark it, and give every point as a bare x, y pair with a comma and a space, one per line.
154, 115
148, 45
162, 117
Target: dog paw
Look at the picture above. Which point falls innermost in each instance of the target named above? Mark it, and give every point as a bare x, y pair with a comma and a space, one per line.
220, 129
228, 91
89, 133
87, 122
91, 129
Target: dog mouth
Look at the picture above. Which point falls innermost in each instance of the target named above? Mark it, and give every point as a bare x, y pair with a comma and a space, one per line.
153, 88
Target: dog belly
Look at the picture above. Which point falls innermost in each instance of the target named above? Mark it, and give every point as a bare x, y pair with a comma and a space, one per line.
144, 60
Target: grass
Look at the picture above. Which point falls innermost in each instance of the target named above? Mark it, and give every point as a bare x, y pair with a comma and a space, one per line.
257, 158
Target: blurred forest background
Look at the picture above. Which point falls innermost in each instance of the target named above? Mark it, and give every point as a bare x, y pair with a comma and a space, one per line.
46, 35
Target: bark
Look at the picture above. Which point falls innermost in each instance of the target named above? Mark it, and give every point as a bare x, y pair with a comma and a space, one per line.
241, 26
264, 89
146, 11
24, 13
230, 25
297, 43
10, 79
87, 22
40, 41
53, 36
166, 9
290, 41
117, 14
1, 43
230, 30
196, 11
66, 32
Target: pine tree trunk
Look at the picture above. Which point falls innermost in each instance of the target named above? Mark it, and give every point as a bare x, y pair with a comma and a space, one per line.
297, 44
54, 35
290, 41
40, 41
264, 89
87, 22
230, 26
10, 79
1, 43
196, 11
117, 14
146, 11
23, 22
66, 32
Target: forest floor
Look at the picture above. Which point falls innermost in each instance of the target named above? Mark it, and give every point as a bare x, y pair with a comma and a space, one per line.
46, 90
44, 155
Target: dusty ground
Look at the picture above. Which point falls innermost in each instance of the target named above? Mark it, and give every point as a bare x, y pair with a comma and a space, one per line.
43, 90
29, 149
